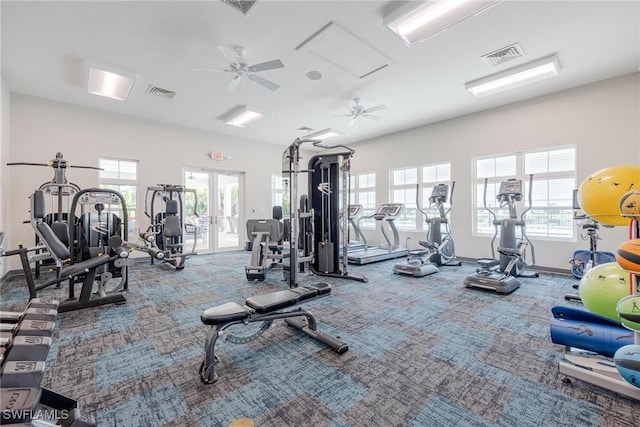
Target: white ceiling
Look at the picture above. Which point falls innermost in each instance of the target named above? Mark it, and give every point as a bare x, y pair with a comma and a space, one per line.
46, 47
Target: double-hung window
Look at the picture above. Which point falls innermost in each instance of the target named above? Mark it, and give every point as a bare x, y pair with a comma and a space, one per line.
403, 190
363, 192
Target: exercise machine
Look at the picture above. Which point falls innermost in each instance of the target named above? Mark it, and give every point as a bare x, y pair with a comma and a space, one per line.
264, 309
165, 238
439, 248
60, 191
582, 260
86, 271
316, 230
501, 275
266, 245
385, 215
100, 214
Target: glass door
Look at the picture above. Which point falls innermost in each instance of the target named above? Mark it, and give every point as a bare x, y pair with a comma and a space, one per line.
199, 181
229, 221
220, 220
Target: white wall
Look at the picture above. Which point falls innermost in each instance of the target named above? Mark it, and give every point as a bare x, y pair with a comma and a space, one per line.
4, 176
40, 128
602, 120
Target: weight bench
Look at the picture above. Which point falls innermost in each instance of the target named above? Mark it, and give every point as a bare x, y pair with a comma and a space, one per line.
263, 308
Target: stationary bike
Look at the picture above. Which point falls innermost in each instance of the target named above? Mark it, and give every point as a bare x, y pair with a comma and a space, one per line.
500, 274
439, 246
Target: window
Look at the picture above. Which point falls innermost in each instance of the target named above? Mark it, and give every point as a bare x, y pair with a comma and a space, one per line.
122, 176
363, 192
280, 194
403, 190
404, 186
554, 178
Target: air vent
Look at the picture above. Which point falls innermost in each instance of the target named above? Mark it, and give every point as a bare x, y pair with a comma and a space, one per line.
163, 93
244, 6
503, 55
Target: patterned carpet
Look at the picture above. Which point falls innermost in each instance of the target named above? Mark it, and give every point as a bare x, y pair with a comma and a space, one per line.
423, 352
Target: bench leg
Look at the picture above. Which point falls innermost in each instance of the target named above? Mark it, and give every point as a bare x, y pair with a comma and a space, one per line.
207, 369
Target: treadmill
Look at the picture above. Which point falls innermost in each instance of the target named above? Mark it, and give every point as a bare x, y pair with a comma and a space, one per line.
361, 242
386, 213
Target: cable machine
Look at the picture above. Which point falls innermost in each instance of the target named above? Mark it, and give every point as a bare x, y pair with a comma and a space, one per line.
316, 231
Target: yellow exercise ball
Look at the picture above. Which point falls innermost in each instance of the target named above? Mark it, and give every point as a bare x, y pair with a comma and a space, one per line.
599, 194
630, 204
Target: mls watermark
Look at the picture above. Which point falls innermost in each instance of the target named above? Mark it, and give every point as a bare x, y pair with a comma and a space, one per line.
35, 414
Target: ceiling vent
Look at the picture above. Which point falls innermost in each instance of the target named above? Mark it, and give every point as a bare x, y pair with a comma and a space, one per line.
163, 93
503, 55
244, 6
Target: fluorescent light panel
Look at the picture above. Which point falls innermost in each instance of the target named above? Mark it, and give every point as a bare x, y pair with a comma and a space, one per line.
109, 84
241, 116
417, 21
324, 134
512, 78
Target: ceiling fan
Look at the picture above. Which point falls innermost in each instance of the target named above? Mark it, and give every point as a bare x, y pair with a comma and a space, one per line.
357, 111
240, 68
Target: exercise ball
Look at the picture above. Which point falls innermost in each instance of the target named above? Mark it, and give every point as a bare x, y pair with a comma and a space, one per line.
599, 194
630, 204
629, 312
602, 287
627, 361
628, 256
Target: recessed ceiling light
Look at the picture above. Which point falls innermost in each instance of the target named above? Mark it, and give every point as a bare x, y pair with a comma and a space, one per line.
315, 75
109, 84
241, 115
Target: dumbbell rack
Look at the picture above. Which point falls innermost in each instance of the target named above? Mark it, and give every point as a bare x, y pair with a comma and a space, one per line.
605, 376
25, 339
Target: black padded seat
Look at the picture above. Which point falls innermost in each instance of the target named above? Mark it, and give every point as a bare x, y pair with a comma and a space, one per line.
282, 299
273, 301
225, 313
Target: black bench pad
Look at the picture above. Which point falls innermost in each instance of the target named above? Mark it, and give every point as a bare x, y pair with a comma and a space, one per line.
282, 299
262, 304
225, 313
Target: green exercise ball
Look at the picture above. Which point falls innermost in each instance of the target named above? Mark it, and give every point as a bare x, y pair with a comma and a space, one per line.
602, 287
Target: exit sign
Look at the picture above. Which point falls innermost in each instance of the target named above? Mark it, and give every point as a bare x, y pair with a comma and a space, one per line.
216, 155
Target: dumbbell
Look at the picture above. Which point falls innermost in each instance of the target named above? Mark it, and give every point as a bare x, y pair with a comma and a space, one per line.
36, 309
21, 373
30, 327
25, 348
17, 405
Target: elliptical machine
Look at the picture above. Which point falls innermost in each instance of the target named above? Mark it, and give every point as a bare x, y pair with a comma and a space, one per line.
439, 246
500, 274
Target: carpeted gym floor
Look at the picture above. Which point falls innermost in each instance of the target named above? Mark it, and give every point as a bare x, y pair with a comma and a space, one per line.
423, 352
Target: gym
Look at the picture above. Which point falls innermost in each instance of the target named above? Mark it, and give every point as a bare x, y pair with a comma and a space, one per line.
322, 213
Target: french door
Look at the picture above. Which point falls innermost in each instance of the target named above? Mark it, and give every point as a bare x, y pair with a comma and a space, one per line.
220, 206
